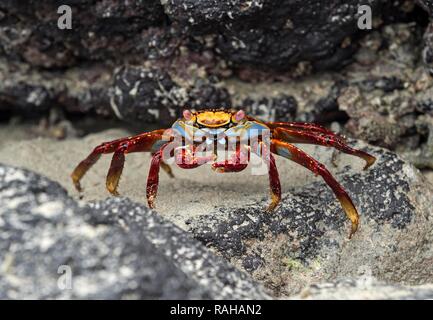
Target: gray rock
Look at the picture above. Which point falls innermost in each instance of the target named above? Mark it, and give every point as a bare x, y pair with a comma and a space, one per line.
391, 106
115, 249
306, 239
366, 288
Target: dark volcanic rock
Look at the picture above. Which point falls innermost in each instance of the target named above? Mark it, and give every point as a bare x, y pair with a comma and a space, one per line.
427, 4
28, 92
283, 108
427, 53
386, 104
101, 30
114, 250
306, 238
153, 96
259, 33
276, 35
270, 34
131, 93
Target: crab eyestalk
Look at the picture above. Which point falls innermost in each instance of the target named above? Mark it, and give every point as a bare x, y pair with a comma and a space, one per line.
187, 115
240, 115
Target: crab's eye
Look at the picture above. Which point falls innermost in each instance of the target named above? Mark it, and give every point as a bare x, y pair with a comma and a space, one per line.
187, 115
239, 115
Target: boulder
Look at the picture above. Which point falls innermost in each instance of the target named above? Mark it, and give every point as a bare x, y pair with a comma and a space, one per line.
366, 288
55, 248
306, 239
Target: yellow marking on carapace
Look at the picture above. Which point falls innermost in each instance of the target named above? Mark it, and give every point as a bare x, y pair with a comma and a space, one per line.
213, 119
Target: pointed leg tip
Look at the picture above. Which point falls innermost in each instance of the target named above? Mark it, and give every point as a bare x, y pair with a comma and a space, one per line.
151, 200
113, 191
370, 160
350, 211
271, 208
274, 203
353, 230
77, 185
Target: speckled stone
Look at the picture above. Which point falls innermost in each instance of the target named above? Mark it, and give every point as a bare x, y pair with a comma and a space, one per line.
365, 288
306, 238
115, 249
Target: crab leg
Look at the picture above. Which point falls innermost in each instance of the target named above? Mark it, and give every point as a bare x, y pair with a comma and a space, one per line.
300, 126
115, 171
328, 139
293, 153
153, 178
140, 143
274, 179
185, 158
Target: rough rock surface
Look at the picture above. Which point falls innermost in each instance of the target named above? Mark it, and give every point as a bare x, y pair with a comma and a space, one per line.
115, 249
366, 288
259, 32
151, 95
305, 240
427, 4
275, 35
101, 30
